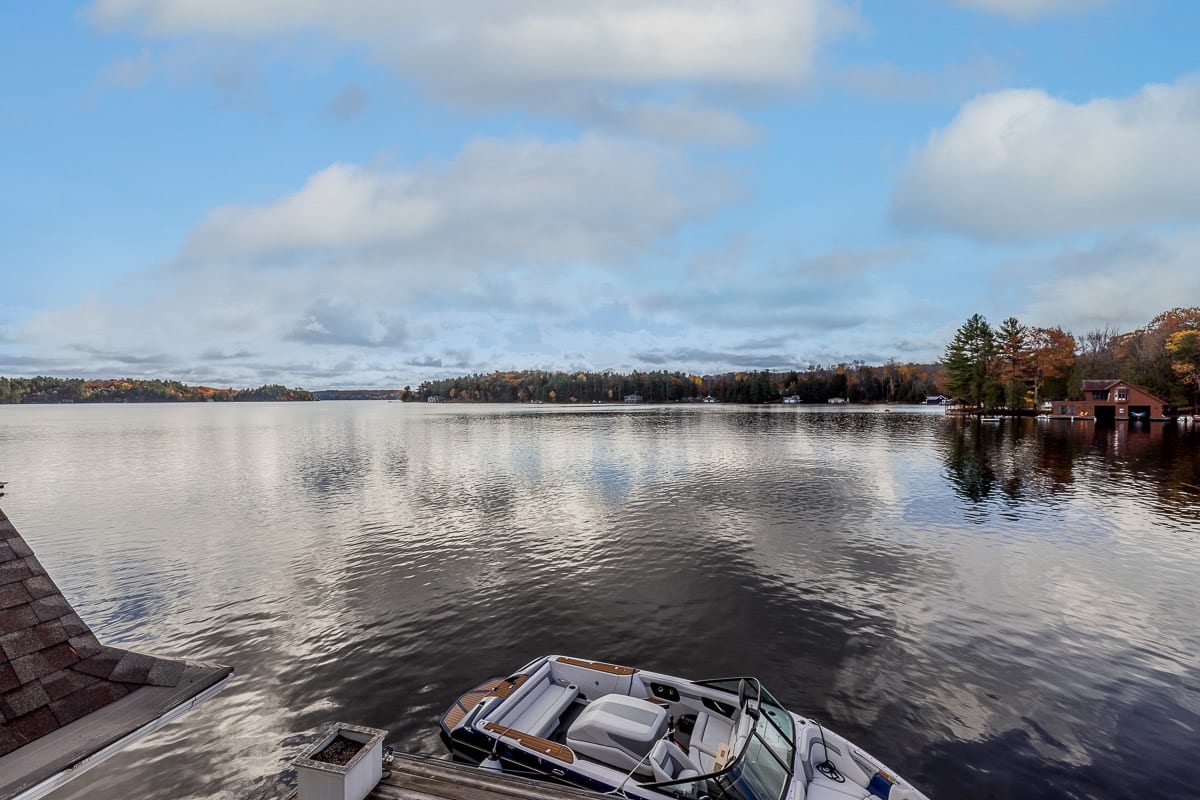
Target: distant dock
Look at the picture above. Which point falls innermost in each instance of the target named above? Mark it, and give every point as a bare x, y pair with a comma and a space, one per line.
971, 411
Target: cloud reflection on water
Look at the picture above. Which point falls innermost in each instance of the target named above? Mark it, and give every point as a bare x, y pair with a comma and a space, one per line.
1016, 595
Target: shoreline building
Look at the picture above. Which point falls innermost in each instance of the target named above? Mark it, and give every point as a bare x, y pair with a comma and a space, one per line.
1112, 400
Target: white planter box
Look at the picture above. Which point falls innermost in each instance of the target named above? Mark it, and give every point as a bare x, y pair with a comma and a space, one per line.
353, 781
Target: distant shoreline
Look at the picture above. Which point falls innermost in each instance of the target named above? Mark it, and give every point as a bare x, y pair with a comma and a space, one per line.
69, 391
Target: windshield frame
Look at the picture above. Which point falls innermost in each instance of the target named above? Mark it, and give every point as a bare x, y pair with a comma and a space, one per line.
756, 695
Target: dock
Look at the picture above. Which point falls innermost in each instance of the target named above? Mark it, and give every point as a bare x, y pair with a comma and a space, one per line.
416, 777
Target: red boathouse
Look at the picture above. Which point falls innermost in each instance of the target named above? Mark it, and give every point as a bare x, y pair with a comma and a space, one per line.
1109, 400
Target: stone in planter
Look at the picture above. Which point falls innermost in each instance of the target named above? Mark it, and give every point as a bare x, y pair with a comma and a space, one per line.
319, 779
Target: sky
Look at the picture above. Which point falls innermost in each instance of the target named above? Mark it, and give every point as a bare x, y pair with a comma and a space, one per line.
371, 193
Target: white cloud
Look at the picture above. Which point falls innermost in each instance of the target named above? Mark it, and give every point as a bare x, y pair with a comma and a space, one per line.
367, 272
336, 323
1019, 163
672, 122
1124, 283
1025, 10
638, 67
526, 41
521, 202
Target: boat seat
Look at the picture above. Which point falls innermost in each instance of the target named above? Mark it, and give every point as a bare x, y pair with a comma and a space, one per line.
536, 706
670, 763
619, 731
539, 714
709, 733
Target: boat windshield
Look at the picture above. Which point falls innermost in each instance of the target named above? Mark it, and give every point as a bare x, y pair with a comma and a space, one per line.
763, 769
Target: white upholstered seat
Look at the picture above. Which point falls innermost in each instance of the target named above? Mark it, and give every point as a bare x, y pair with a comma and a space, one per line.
709, 733
670, 763
537, 705
619, 731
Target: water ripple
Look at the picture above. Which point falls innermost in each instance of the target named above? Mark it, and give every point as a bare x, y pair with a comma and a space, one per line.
1004, 611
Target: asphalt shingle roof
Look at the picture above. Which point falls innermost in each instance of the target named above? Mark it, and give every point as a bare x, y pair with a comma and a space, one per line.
53, 670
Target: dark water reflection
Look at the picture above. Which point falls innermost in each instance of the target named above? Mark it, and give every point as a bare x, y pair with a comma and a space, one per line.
1001, 611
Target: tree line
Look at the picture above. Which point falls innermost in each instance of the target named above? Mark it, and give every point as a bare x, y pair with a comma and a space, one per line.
129, 390
856, 382
1018, 366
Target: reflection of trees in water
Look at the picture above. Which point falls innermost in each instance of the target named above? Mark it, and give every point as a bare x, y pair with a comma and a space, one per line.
1023, 461
969, 459
1015, 461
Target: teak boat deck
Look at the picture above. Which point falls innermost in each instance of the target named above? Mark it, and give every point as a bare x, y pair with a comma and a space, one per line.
422, 778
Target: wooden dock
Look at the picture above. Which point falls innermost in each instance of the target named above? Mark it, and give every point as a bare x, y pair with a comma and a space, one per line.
424, 778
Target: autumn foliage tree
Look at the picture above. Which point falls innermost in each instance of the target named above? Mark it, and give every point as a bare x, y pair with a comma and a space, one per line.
1051, 357
1163, 357
1143, 356
1184, 347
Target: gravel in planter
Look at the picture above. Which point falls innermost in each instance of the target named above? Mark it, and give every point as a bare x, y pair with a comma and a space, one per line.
339, 751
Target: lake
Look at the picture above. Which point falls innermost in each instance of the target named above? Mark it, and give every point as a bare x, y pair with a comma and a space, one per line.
997, 611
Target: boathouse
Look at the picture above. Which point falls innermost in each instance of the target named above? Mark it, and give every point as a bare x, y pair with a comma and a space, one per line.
67, 702
633, 398
1109, 400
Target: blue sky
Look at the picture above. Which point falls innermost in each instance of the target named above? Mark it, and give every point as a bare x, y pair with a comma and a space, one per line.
370, 193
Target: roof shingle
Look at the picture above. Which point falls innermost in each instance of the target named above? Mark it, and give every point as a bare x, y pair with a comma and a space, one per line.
53, 670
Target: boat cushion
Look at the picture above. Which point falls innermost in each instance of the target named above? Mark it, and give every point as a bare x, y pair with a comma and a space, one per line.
710, 732
507, 708
702, 758
671, 763
539, 714
618, 730
536, 705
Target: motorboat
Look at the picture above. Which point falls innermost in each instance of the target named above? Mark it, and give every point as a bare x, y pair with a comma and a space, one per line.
650, 736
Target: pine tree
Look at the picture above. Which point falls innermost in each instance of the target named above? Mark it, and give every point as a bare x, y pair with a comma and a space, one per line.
969, 363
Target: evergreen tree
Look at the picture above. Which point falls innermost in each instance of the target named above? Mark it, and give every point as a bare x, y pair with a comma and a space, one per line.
969, 363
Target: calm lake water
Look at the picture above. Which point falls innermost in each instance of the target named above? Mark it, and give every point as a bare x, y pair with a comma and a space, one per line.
1005, 611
